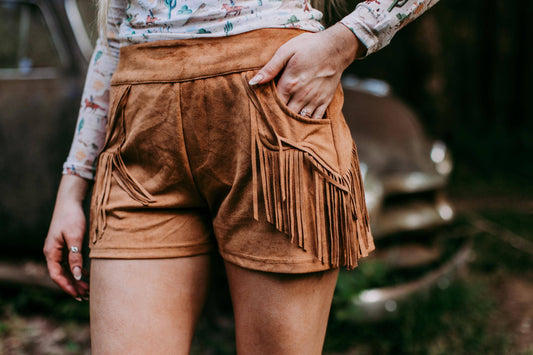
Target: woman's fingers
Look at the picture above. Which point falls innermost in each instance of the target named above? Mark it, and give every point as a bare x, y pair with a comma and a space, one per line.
273, 67
62, 276
320, 112
75, 258
309, 67
62, 246
62, 250
64, 259
54, 260
309, 103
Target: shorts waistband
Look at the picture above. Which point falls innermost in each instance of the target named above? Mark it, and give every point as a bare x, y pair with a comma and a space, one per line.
189, 59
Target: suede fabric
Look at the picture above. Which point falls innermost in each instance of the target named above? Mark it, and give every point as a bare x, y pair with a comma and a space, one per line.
196, 159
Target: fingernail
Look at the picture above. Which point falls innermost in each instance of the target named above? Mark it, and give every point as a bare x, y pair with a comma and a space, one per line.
257, 78
77, 299
85, 298
77, 273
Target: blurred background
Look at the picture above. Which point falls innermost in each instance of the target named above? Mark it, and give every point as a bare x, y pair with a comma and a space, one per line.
443, 119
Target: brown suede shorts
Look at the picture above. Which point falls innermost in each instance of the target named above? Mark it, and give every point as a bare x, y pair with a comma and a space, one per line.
195, 159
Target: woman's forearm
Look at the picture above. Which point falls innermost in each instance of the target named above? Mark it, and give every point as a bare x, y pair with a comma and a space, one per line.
375, 22
72, 188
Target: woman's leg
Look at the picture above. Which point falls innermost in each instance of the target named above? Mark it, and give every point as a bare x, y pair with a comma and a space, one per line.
280, 313
146, 306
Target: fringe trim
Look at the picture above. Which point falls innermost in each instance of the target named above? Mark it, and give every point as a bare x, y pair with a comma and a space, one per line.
114, 167
341, 228
288, 174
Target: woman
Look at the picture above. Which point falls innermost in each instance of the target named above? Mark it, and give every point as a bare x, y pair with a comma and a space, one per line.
222, 127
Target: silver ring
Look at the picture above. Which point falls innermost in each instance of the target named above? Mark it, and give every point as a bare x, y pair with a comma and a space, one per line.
74, 249
304, 113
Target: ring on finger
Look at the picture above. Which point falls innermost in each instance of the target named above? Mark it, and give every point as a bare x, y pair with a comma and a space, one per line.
74, 249
306, 113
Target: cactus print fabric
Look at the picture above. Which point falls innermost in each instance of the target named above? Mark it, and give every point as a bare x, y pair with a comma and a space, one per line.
136, 21
375, 22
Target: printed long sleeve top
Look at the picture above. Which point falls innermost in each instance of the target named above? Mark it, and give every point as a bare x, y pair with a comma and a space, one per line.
374, 22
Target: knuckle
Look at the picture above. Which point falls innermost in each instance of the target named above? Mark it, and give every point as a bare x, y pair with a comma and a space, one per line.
47, 251
282, 50
54, 275
71, 235
288, 86
74, 259
269, 69
75, 262
293, 106
291, 84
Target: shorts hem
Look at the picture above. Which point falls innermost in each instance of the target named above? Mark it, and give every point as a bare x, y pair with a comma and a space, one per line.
150, 253
285, 266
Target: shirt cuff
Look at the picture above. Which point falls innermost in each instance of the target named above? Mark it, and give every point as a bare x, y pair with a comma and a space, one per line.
365, 35
85, 172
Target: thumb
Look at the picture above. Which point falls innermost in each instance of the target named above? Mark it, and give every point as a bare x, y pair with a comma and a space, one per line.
273, 67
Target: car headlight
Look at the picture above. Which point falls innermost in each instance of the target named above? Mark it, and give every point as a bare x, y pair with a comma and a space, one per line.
441, 158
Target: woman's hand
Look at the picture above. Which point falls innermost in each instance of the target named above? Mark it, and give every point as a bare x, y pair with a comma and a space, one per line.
65, 262
312, 65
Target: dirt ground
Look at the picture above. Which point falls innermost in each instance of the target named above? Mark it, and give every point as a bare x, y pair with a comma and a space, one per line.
515, 297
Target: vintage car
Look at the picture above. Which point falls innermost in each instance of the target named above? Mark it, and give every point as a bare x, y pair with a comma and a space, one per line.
45, 49
405, 175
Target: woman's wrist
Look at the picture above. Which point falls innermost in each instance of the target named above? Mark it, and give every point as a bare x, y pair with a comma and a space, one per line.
72, 188
349, 45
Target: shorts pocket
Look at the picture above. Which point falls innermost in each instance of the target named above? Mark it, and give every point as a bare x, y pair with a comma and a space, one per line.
278, 126
305, 193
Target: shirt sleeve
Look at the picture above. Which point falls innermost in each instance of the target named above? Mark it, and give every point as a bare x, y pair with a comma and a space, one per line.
89, 134
375, 22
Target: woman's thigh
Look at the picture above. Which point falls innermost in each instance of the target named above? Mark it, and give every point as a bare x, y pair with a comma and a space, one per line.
146, 306
280, 313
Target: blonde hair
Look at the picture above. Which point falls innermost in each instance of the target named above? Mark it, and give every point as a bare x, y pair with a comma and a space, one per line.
103, 7
333, 11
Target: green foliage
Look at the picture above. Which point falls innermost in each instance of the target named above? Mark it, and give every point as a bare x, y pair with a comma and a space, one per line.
494, 254
4, 328
450, 321
73, 347
464, 318
28, 301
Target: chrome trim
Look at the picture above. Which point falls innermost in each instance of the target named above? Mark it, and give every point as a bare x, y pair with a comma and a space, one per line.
412, 216
76, 23
412, 182
34, 74
371, 86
